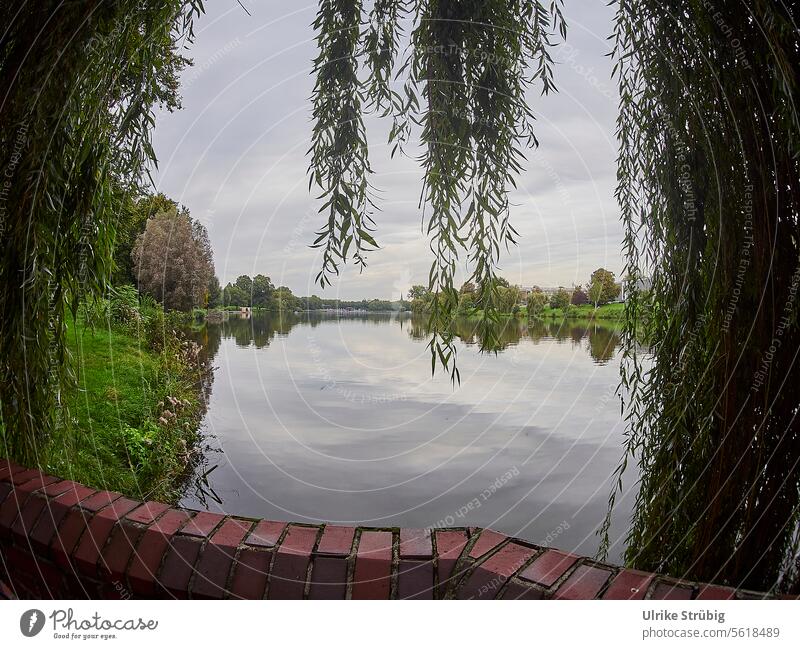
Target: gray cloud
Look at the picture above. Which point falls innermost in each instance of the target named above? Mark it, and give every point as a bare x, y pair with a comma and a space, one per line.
235, 155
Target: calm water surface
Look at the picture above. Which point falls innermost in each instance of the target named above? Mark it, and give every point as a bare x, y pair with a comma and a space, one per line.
338, 419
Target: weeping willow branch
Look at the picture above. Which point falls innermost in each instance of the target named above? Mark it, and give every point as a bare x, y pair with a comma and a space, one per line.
79, 82
464, 76
709, 190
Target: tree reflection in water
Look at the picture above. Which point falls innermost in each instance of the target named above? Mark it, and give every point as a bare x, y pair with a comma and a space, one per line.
600, 340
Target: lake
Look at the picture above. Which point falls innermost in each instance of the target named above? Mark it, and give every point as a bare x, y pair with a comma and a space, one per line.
338, 419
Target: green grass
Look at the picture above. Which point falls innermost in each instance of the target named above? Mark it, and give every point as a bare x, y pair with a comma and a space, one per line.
613, 311
110, 436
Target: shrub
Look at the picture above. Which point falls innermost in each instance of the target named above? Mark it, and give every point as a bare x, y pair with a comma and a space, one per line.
124, 305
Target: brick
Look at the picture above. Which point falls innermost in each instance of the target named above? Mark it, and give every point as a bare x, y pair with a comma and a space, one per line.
202, 524
250, 574
23, 561
629, 584
21, 477
520, 590
38, 482
5, 490
66, 538
329, 578
288, 577
584, 583
18, 497
168, 524
547, 569
373, 572
214, 565
99, 500
666, 590
39, 577
488, 540
508, 560
74, 495
449, 546
231, 532
266, 534
336, 540
60, 487
118, 551
25, 522
10, 510
490, 576
450, 543
91, 544
8, 468
211, 572
179, 566
147, 512
415, 543
119, 509
708, 591
415, 579
150, 549
44, 530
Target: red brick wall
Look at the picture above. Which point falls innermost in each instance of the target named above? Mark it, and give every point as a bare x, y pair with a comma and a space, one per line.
59, 539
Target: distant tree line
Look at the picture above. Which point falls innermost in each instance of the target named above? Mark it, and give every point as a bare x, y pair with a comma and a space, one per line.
260, 293
602, 289
506, 297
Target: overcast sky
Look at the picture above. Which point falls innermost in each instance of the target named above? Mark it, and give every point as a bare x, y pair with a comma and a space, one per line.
235, 156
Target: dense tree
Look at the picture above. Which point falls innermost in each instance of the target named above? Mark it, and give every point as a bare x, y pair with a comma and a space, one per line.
466, 302
171, 260
596, 289
419, 306
467, 288
537, 301
129, 225
607, 280
263, 289
418, 292
285, 299
230, 296
560, 299
313, 303
709, 191
79, 83
244, 286
214, 292
507, 298
579, 296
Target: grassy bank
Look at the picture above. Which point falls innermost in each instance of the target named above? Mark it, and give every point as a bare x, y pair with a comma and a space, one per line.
129, 423
613, 311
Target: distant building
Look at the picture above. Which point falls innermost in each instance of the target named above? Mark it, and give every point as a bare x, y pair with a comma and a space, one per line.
525, 291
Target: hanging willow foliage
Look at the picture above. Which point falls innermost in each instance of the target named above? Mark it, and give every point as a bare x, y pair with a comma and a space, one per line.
78, 83
709, 188
462, 81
